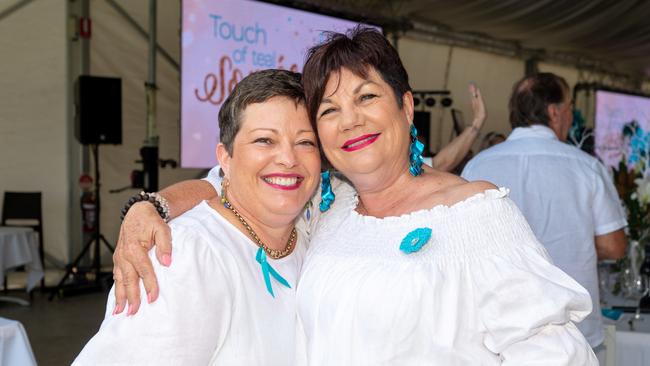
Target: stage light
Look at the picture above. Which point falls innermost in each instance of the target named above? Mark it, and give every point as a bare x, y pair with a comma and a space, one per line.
446, 102
430, 102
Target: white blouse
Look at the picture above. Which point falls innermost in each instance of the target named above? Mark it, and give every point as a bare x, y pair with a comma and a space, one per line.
214, 307
481, 291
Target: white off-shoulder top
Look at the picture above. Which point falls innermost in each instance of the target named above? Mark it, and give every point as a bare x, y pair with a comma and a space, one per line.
481, 291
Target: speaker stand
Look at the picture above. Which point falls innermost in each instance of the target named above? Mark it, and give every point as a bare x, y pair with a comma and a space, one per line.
95, 241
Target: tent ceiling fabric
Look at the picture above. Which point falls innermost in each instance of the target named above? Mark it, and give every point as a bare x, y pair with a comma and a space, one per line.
615, 32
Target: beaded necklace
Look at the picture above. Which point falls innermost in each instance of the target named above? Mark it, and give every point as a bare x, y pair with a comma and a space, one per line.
273, 253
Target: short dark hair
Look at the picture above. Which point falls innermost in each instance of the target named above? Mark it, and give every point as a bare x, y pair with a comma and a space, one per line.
257, 87
531, 97
357, 50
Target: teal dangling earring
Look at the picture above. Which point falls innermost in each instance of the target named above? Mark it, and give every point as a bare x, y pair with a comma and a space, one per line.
326, 193
415, 153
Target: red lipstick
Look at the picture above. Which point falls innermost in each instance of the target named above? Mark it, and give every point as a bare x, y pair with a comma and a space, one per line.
360, 142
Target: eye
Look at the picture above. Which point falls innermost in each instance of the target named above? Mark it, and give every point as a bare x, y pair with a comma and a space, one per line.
365, 97
263, 141
307, 143
327, 111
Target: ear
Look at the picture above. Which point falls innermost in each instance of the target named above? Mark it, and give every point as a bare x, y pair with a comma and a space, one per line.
553, 113
407, 105
555, 121
224, 158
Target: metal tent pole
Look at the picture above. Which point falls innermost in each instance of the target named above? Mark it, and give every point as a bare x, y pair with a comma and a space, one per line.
149, 151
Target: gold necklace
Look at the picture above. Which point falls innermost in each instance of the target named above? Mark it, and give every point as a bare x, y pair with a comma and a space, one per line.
273, 253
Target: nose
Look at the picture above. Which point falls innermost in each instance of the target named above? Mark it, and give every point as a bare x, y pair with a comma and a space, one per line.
286, 155
351, 118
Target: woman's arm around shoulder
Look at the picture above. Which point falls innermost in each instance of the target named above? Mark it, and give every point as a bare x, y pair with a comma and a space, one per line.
144, 229
187, 322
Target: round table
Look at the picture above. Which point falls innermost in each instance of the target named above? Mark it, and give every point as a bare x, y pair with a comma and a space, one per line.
19, 247
14, 344
632, 346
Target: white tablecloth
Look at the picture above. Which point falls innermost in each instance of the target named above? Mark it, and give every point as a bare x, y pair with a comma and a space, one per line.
632, 347
14, 345
19, 246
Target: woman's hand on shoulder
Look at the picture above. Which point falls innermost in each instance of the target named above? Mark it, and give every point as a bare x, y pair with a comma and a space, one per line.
141, 229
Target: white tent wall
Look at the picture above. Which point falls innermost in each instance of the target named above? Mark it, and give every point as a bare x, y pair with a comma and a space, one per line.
495, 75
118, 50
426, 64
34, 128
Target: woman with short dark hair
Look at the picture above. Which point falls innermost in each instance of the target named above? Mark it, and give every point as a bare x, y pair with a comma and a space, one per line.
413, 267
230, 297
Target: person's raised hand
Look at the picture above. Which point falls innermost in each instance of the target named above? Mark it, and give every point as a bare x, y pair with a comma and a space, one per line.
141, 230
478, 107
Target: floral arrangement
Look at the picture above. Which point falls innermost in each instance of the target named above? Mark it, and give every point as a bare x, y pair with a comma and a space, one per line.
632, 179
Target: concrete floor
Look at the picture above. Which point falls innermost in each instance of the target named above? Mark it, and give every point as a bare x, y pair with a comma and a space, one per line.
59, 329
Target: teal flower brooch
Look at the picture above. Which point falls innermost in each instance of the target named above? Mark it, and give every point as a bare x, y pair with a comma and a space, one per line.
415, 240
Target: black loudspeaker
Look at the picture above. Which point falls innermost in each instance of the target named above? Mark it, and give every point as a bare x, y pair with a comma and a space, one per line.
99, 110
422, 122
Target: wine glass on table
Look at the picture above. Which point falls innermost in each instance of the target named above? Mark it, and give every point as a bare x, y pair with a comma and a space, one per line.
644, 273
604, 274
635, 287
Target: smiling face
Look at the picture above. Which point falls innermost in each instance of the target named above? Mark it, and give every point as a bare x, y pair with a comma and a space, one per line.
361, 127
275, 162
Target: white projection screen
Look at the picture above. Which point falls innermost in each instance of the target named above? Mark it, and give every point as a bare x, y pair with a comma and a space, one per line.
613, 111
222, 41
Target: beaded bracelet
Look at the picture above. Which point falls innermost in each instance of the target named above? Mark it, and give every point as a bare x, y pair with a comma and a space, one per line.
158, 201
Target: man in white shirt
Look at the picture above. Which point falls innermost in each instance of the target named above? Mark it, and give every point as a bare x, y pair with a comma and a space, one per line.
566, 195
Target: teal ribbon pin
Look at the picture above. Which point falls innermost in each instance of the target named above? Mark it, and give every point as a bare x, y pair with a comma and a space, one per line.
268, 271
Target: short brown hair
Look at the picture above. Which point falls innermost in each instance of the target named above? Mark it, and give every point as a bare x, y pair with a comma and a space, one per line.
257, 87
357, 50
531, 97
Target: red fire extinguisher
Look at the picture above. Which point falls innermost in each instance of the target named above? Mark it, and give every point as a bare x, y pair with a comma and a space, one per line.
88, 203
